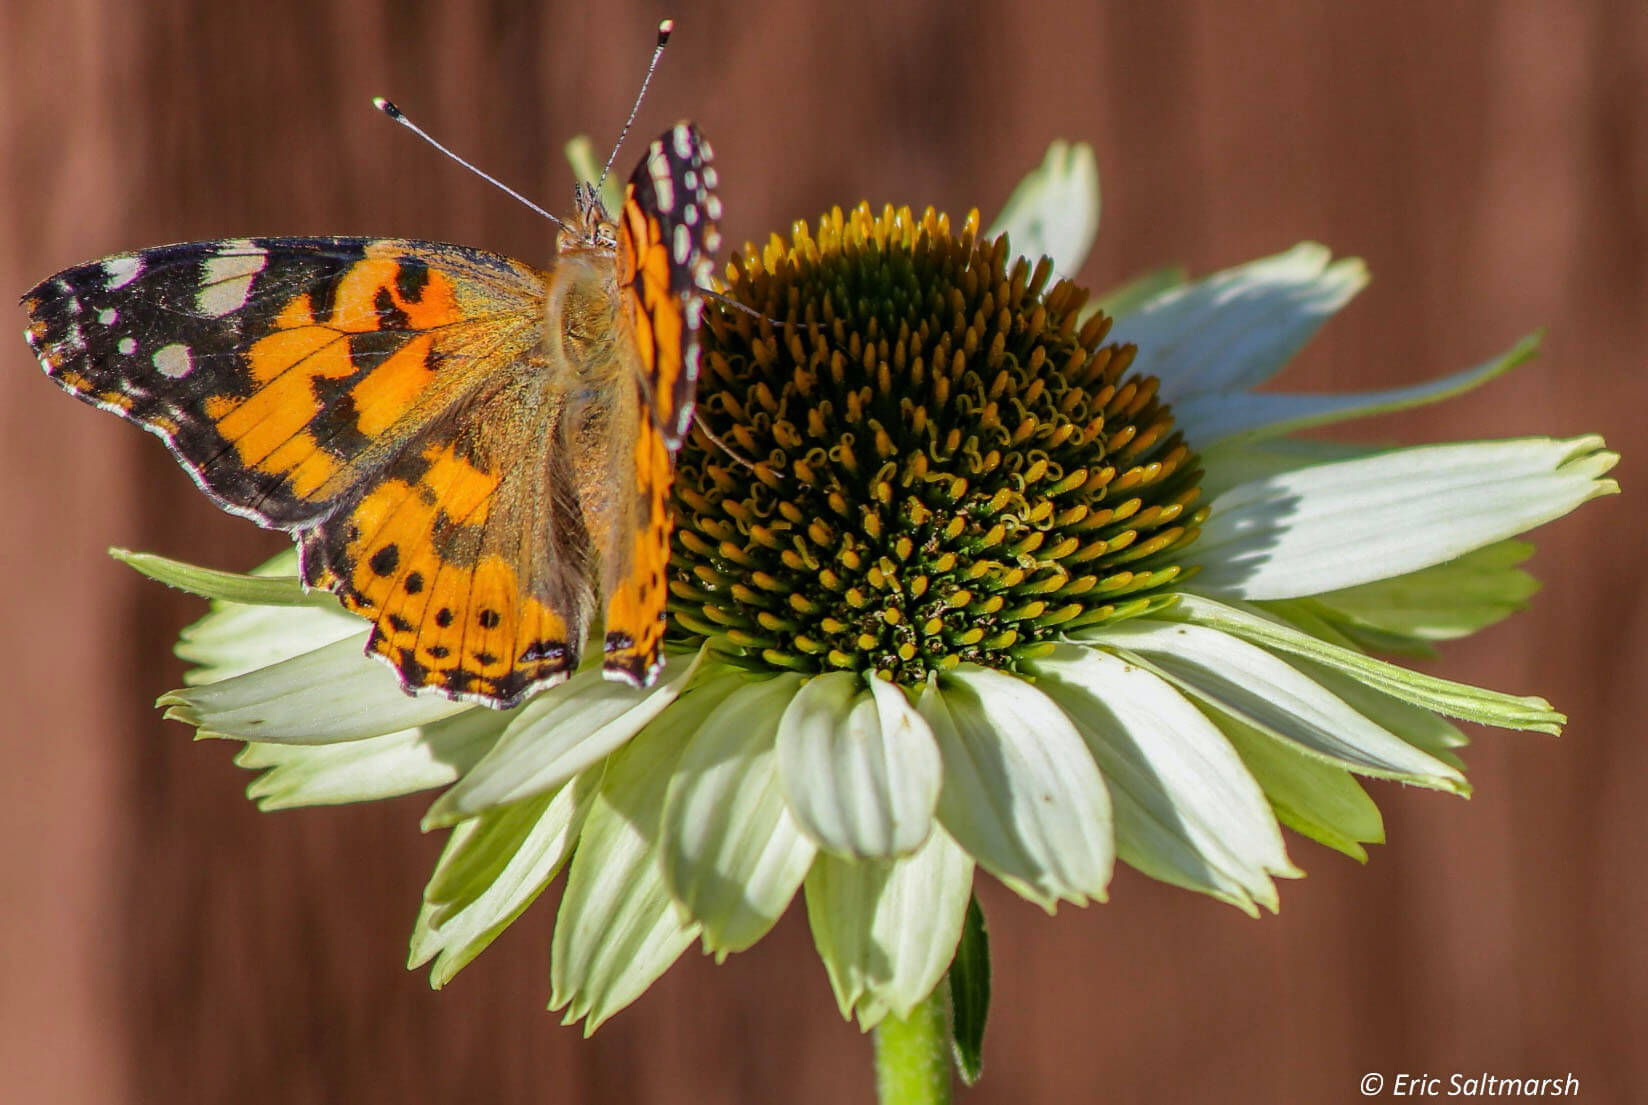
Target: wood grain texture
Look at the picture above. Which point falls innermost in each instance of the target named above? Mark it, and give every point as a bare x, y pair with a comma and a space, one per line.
163, 941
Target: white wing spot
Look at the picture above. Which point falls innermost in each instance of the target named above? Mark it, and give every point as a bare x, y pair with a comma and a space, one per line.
173, 360
682, 244
107, 316
689, 214
127, 346
120, 271
710, 178
712, 206
226, 280
683, 140
663, 185
690, 179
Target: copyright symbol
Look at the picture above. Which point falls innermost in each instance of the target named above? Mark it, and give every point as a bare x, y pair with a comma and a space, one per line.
1372, 1083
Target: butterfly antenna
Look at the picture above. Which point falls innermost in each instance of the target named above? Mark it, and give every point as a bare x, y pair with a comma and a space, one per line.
396, 114
664, 30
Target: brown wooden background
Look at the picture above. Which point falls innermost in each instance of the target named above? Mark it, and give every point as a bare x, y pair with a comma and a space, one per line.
161, 941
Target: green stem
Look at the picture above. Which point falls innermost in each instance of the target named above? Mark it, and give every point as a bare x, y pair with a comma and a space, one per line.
912, 1057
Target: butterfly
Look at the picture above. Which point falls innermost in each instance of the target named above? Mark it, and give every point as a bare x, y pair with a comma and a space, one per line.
465, 448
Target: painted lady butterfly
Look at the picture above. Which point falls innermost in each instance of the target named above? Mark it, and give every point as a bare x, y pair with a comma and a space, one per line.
464, 447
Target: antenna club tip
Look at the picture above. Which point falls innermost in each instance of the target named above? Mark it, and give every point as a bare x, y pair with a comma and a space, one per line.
386, 107
665, 29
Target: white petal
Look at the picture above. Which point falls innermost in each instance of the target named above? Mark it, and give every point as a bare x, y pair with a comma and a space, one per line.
618, 928
1212, 419
887, 929
334, 693
859, 767
1439, 603
1266, 692
1317, 799
1338, 525
1187, 810
1021, 792
1136, 292
235, 640
1238, 462
733, 856
376, 767
558, 734
492, 868
1425, 691
1054, 211
1235, 329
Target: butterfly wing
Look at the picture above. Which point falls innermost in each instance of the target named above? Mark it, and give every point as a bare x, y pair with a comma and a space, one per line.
666, 239
327, 386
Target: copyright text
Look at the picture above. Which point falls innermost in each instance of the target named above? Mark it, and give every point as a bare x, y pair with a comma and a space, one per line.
1404, 1084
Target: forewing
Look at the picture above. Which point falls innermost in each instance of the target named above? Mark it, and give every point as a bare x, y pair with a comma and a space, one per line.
284, 372
667, 239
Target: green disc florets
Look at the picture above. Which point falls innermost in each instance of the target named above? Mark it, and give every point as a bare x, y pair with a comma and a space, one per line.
929, 459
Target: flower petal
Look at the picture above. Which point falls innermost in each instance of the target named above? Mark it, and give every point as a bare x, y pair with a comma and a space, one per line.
887, 929
263, 587
1440, 603
558, 734
618, 928
858, 766
1054, 212
733, 857
333, 693
1317, 799
493, 867
1187, 811
1233, 330
372, 768
1209, 419
1339, 525
1021, 791
1135, 292
1425, 691
1254, 686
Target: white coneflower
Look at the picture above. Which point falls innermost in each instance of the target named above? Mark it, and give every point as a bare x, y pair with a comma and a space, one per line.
1010, 586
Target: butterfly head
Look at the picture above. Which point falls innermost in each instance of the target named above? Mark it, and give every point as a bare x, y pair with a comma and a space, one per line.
590, 226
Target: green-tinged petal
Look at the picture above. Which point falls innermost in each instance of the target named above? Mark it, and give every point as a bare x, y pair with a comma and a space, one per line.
234, 639
1054, 212
1021, 791
1259, 688
1187, 811
260, 589
618, 928
1233, 330
1425, 730
333, 693
586, 166
1237, 462
376, 767
1445, 601
1425, 691
1341, 525
493, 867
887, 929
1136, 292
858, 766
560, 733
1209, 419
1313, 798
733, 857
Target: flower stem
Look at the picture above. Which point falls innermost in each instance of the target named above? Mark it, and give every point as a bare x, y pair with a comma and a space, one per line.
912, 1059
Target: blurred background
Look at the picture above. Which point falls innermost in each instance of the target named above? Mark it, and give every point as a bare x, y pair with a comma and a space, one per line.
161, 940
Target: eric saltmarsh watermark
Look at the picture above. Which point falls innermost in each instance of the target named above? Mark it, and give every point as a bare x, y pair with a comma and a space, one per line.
1484, 1084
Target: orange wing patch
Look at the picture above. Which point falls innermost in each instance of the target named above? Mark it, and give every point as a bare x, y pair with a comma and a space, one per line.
637, 588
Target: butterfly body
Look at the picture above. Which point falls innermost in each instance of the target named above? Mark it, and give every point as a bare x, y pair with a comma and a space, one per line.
467, 449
